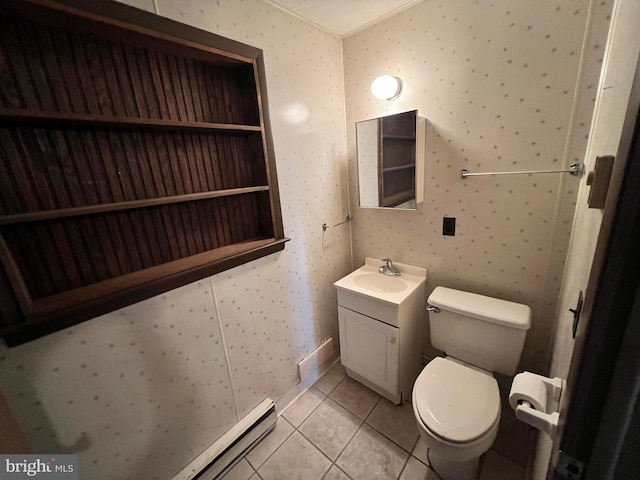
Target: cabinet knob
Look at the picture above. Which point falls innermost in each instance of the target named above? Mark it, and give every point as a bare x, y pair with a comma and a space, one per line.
393, 340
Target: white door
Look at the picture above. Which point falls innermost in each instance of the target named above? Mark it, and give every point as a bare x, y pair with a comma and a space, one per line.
369, 348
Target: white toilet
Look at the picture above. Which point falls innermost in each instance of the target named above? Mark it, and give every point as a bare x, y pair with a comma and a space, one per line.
456, 399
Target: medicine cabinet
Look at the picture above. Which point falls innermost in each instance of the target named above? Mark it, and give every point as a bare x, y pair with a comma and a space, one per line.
390, 153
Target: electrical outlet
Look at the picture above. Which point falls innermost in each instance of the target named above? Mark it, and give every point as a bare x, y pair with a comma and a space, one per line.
449, 226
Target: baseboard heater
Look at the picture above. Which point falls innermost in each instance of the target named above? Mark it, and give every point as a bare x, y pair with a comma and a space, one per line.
222, 456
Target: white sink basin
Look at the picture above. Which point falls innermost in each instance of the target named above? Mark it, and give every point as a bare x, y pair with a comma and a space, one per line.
366, 281
379, 282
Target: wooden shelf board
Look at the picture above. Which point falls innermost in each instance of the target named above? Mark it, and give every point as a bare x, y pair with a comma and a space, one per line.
21, 117
99, 290
130, 289
114, 207
392, 136
398, 198
399, 167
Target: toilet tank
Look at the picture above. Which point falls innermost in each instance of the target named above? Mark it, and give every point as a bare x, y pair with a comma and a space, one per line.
483, 331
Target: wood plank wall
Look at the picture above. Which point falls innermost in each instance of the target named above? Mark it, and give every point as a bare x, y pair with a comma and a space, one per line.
79, 73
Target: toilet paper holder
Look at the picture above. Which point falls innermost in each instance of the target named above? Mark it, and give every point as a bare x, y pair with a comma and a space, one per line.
546, 419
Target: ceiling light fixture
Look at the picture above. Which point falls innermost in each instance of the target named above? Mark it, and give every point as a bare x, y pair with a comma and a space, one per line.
386, 87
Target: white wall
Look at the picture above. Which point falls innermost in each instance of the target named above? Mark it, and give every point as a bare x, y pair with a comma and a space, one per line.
504, 86
140, 392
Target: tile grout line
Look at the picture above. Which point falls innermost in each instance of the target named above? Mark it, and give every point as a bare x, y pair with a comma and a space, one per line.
384, 436
406, 462
392, 440
326, 395
356, 432
505, 457
276, 449
311, 412
295, 429
311, 442
333, 462
362, 422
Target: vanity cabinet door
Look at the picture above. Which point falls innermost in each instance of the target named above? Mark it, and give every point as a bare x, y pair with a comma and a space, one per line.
369, 348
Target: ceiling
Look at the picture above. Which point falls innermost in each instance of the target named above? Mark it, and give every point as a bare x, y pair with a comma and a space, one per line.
343, 17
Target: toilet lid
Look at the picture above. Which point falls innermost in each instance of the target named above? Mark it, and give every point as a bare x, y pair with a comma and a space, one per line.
456, 402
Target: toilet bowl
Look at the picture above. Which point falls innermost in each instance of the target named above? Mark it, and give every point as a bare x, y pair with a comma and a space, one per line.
457, 409
456, 400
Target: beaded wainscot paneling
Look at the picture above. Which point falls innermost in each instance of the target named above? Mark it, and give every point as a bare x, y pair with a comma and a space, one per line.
138, 393
503, 88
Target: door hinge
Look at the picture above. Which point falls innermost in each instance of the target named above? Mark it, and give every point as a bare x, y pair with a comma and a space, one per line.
569, 467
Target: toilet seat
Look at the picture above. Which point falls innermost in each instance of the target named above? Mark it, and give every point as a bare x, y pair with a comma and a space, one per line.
456, 402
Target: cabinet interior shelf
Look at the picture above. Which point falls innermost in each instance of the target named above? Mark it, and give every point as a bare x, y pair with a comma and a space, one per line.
22, 117
399, 167
393, 136
129, 205
398, 198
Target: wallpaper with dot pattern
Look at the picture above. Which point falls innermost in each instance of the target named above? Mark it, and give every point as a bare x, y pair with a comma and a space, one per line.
502, 88
138, 393
141, 391
611, 106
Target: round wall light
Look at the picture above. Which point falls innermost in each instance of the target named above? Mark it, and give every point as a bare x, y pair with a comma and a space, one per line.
386, 87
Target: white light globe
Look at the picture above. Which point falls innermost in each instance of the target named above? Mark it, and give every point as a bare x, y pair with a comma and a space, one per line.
386, 87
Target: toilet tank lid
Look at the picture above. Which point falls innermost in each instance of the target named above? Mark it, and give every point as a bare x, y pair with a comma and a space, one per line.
494, 310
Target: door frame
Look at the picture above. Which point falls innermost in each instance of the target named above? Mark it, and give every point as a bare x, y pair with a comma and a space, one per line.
597, 409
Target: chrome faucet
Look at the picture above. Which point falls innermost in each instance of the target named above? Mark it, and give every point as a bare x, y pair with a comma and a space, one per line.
388, 268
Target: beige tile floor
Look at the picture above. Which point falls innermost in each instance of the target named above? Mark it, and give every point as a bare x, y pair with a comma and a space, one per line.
341, 430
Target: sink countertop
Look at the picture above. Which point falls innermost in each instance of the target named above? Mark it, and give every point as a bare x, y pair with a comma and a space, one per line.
414, 277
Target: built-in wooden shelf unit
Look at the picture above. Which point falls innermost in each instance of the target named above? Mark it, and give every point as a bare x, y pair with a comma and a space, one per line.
135, 157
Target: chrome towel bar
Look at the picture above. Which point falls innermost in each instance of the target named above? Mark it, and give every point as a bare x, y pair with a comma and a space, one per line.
348, 218
575, 169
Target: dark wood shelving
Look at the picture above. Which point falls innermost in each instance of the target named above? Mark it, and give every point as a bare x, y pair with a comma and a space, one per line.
93, 292
135, 157
398, 198
29, 118
399, 167
397, 158
390, 136
114, 207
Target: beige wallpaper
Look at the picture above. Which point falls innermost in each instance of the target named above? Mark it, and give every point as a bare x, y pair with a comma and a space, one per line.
621, 57
140, 392
502, 88
611, 107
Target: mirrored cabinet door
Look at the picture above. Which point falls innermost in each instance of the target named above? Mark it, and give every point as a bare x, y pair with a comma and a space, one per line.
391, 161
